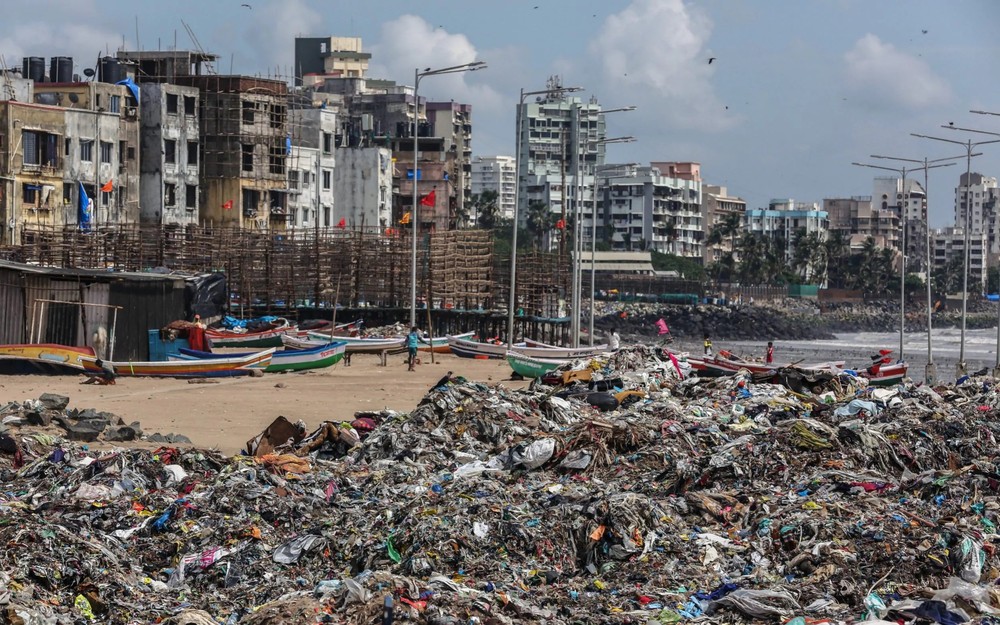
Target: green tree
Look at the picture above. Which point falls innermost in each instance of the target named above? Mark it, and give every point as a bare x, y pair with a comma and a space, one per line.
539, 221
948, 277
837, 257
487, 207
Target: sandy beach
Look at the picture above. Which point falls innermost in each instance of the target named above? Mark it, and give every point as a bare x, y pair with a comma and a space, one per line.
226, 413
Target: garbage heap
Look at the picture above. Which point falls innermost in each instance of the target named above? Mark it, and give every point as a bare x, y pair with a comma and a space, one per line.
718, 500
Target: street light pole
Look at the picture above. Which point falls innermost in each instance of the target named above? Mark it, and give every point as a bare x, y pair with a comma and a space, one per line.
417, 75
930, 369
512, 298
969, 145
996, 365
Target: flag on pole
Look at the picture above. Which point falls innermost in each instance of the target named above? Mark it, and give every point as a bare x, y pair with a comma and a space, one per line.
228, 205
107, 187
428, 200
405, 219
342, 223
561, 224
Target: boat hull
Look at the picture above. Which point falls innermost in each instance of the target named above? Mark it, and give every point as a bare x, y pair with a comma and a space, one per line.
464, 348
207, 368
439, 345
353, 345
46, 358
318, 357
528, 367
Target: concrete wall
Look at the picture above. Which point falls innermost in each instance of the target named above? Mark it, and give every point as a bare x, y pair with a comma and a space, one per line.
160, 125
362, 183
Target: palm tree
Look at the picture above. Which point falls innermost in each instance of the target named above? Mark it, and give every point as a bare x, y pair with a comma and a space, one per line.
487, 207
838, 258
539, 221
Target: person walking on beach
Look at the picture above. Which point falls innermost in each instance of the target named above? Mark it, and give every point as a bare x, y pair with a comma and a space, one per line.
769, 358
412, 340
708, 345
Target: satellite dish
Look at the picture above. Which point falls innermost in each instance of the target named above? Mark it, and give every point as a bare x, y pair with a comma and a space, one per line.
89, 73
74, 98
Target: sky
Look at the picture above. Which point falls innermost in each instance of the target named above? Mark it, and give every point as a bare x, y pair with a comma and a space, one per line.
797, 91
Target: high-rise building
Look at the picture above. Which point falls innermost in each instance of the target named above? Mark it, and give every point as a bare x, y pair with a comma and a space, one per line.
561, 137
497, 174
855, 219
785, 219
170, 158
311, 166
717, 207
888, 194
319, 57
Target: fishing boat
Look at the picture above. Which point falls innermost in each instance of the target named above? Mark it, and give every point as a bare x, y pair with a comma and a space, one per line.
340, 330
355, 345
208, 368
886, 374
317, 357
529, 367
43, 358
726, 363
551, 352
439, 345
269, 337
466, 348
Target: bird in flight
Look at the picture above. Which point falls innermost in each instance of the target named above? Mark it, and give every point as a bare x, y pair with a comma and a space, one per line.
924, 31
247, 6
710, 60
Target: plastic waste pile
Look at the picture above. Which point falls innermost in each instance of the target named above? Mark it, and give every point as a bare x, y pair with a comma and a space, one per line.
719, 500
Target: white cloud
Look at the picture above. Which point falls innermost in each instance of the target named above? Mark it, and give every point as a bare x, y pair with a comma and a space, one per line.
655, 52
409, 42
880, 74
269, 40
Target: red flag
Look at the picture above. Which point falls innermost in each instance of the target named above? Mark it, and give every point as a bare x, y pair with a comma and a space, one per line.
228, 205
561, 224
428, 200
342, 223
107, 187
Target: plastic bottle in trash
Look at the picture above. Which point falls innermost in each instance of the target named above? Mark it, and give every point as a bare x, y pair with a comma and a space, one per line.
387, 616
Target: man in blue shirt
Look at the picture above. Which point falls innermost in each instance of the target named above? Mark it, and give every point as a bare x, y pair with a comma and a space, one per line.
411, 346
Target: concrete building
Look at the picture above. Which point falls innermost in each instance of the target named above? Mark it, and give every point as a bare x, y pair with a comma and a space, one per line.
654, 211
311, 166
855, 219
244, 137
57, 137
170, 155
362, 184
432, 176
717, 206
497, 174
949, 244
453, 123
888, 194
785, 219
319, 57
982, 194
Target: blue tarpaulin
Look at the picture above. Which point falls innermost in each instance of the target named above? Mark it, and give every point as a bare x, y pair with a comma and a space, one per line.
132, 87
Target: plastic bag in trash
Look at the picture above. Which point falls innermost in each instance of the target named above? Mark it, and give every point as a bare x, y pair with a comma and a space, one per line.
291, 551
534, 455
757, 603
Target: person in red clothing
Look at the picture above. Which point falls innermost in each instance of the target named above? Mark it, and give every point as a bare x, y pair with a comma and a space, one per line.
769, 359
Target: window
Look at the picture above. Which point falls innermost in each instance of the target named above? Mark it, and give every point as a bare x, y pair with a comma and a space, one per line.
172, 103
106, 148
29, 194
68, 146
191, 197
130, 152
276, 159
170, 194
293, 179
326, 216
248, 112
68, 192
277, 116
189, 104
87, 150
105, 198
305, 178
247, 157
327, 179
169, 151
116, 104
121, 154
192, 160
327, 142
39, 148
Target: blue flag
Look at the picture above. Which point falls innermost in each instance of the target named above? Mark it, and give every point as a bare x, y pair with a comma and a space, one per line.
83, 208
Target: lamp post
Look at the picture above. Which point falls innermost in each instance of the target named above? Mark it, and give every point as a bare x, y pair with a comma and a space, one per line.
930, 369
512, 303
577, 273
417, 75
593, 232
996, 365
969, 145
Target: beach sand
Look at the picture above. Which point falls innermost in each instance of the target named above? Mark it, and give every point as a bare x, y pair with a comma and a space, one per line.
226, 414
